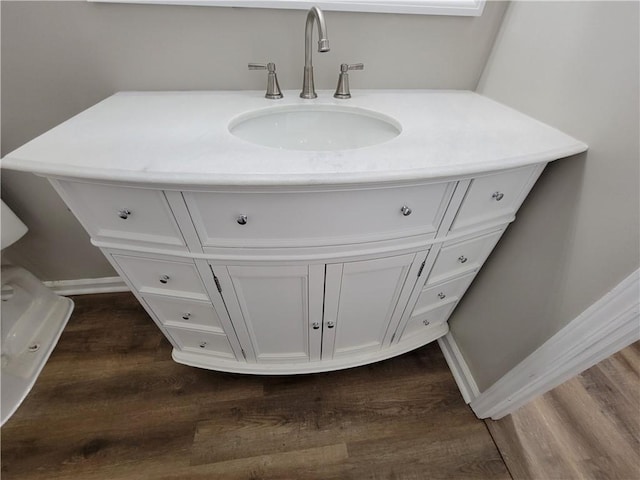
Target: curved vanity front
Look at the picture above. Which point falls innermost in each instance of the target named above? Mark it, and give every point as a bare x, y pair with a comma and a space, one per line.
259, 260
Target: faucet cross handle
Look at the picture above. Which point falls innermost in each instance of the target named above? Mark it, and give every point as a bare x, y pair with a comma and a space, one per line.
342, 90
273, 88
345, 67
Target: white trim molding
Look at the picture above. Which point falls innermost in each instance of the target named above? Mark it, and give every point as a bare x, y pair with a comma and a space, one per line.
459, 368
85, 286
606, 327
468, 8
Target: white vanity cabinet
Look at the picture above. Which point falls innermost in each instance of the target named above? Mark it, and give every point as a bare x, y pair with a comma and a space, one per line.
284, 260
294, 280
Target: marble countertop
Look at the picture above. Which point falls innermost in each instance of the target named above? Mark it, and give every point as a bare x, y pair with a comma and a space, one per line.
182, 138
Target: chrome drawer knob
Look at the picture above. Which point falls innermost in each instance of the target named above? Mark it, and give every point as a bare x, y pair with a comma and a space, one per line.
497, 196
330, 324
315, 325
442, 296
186, 316
203, 344
124, 213
426, 322
462, 259
406, 211
164, 279
242, 219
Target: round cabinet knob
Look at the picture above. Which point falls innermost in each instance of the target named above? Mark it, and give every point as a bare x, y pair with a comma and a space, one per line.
442, 296
315, 325
186, 316
426, 322
462, 259
202, 344
330, 324
124, 213
242, 219
406, 211
497, 196
164, 279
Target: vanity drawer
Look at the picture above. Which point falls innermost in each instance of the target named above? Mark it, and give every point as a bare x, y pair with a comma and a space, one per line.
442, 293
495, 197
458, 257
420, 322
162, 277
137, 216
197, 341
316, 217
179, 312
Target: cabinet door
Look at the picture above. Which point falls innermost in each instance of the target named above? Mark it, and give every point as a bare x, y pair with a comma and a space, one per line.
364, 302
316, 217
280, 308
136, 216
495, 197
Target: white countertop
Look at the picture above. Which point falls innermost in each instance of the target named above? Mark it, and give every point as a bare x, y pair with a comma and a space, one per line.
183, 138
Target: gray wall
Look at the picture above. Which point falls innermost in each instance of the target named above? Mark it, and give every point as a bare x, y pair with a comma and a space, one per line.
59, 58
573, 65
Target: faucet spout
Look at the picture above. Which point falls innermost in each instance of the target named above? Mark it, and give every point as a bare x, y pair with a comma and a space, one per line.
315, 15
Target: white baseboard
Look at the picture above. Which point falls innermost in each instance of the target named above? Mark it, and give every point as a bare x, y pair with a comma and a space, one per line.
459, 368
606, 327
85, 286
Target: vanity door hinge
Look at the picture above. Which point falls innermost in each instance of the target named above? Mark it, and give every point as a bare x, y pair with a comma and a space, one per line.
421, 268
215, 279
392, 337
244, 354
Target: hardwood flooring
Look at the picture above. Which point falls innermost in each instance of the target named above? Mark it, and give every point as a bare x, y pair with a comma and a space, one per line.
587, 428
111, 404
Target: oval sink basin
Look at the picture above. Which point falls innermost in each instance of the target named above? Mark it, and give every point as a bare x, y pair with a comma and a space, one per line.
315, 127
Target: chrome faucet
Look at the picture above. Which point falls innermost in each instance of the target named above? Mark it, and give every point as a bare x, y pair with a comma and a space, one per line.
308, 89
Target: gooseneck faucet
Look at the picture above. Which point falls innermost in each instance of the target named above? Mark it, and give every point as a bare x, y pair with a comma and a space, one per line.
315, 14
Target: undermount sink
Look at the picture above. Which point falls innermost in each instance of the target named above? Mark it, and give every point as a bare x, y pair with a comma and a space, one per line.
315, 127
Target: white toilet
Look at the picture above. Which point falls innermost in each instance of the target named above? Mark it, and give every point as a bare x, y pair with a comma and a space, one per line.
32, 319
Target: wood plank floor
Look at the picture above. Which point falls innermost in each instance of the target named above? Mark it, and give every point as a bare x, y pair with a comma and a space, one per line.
587, 428
111, 404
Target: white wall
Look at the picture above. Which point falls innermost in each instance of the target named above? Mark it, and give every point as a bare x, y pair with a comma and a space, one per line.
573, 65
59, 58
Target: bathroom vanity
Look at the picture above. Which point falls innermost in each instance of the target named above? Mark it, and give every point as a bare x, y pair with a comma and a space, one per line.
307, 241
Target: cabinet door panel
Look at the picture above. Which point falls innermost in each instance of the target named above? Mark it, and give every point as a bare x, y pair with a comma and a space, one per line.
183, 313
163, 276
277, 305
442, 293
365, 303
458, 257
422, 323
496, 196
333, 217
136, 216
197, 341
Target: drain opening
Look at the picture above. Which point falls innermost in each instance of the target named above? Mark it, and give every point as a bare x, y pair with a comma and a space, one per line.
34, 348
